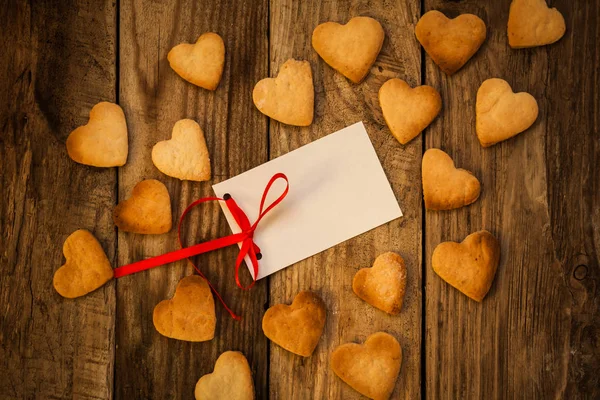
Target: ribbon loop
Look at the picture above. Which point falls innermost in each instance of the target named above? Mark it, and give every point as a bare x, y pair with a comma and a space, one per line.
262, 213
245, 237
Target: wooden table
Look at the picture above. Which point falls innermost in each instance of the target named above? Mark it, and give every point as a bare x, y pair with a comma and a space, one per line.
536, 335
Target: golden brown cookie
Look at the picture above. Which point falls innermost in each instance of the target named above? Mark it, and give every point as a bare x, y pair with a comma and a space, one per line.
147, 211
383, 285
298, 327
231, 379
408, 111
200, 63
185, 155
86, 267
103, 141
289, 98
450, 42
469, 266
190, 314
502, 114
532, 23
444, 186
350, 49
371, 368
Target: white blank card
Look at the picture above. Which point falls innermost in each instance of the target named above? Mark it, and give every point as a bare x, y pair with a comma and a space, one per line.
338, 190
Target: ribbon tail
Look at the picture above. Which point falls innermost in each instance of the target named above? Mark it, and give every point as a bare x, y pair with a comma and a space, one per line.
178, 255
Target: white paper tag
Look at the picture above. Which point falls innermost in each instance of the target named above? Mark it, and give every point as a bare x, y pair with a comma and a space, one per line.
338, 190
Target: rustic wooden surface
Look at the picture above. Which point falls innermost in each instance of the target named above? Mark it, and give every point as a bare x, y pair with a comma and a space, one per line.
57, 62
154, 97
340, 103
537, 333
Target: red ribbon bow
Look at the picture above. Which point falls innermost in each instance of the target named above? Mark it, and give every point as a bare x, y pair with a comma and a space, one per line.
245, 237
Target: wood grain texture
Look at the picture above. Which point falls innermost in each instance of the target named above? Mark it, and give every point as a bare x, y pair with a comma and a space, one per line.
573, 173
535, 335
57, 62
154, 97
340, 103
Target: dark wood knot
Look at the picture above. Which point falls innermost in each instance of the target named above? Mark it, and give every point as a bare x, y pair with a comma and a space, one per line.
580, 272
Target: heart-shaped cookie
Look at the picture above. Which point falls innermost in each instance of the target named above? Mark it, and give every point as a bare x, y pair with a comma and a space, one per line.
298, 327
532, 23
502, 114
103, 141
383, 285
408, 111
350, 49
86, 267
230, 380
469, 266
444, 186
289, 98
450, 42
200, 63
371, 368
147, 211
185, 155
190, 314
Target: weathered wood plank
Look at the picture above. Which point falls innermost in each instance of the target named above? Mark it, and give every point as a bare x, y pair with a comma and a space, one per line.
149, 365
340, 103
573, 174
533, 335
57, 62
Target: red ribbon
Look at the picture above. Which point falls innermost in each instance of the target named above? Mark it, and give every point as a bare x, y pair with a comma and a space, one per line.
245, 237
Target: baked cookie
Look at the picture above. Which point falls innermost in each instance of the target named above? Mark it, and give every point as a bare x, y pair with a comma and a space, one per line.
298, 327
289, 98
450, 42
502, 114
190, 314
231, 379
371, 368
185, 155
147, 211
350, 49
86, 267
446, 187
532, 23
408, 111
469, 266
103, 141
383, 285
200, 63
